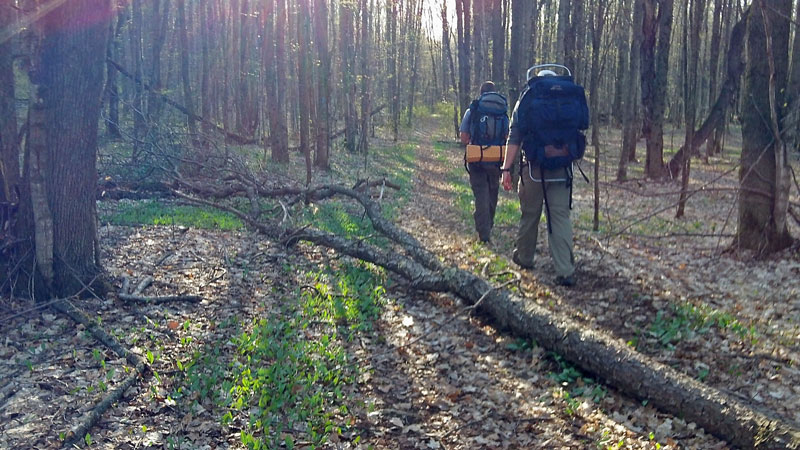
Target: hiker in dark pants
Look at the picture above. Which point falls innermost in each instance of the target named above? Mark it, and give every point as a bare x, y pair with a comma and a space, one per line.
531, 197
484, 178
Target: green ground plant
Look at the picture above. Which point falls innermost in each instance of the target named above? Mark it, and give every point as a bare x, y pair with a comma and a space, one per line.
163, 214
288, 376
687, 321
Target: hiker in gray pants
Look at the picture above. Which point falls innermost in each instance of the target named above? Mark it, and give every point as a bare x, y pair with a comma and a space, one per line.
484, 178
531, 198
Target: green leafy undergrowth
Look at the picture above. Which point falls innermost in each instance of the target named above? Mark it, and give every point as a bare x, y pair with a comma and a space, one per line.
687, 321
285, 377
157, 213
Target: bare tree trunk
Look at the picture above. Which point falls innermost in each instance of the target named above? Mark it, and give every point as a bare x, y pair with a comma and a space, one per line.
279, 130
185, 79
463, 11
499, 31
563, 50
349, 86
113, 52
304, 83
322, 124
9, 148
366, 105
692, 51
632, 122
452, 70
158, 34
416, 38
714, 145
598, 24
394, 71
516, 65
763, 175
479, 39
657, 27
205, 33
578, 33
620, 86
137, 102
61, 172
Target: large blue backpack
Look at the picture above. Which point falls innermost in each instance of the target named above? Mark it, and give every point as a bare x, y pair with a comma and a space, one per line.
551, 114
488, 119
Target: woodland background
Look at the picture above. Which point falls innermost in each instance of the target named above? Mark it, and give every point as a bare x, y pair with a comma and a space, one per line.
245, 223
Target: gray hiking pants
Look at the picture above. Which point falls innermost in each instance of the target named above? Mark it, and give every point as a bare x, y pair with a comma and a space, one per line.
531, 201
485, 182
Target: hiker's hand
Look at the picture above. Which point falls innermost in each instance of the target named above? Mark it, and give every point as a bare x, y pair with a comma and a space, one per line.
507, 181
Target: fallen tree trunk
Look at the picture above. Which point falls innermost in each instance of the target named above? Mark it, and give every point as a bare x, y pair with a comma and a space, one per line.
593, 352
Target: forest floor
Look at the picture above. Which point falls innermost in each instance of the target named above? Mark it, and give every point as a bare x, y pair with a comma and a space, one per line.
434, 375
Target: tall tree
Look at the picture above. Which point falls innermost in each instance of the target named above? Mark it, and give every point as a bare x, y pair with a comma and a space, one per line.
692, 61
394, 70
185, 79
715, 143
763, 173
137, 57
499, 29
304, 81
657, 29
562, 33
278, 129
463, 20
322, 123
159, 18
516, 64
113, 52
598, 24
623, 33
632, 122
366, 99
348, 70
9, 149
57, 209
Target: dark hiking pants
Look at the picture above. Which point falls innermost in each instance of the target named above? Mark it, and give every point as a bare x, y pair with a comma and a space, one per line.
485, 182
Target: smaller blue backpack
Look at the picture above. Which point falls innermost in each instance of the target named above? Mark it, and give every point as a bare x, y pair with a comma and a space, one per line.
488, 119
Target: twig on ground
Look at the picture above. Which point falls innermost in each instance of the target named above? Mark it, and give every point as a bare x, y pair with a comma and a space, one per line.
163, 299
78, 432
146, 281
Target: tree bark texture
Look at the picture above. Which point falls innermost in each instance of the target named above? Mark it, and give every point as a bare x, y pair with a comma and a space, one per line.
715, 144
632, 122
67, 79
185, 79
657, 28
598, 25
9, 148
366, 99
516, 64
763, 184
463, 20
692, 52
348, 70
322, 123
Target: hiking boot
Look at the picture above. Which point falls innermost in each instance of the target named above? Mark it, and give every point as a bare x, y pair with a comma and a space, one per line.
567, 281
515, 258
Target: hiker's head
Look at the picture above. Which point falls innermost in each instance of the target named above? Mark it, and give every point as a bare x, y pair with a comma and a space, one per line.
546, 73
488, 86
